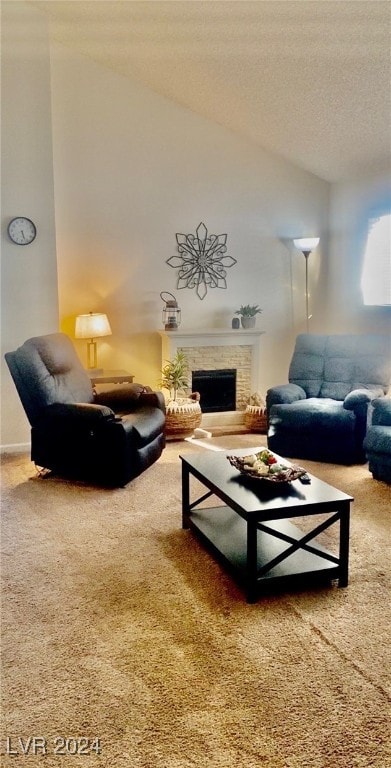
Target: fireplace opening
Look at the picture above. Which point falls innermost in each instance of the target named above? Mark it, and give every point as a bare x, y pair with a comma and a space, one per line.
217, 389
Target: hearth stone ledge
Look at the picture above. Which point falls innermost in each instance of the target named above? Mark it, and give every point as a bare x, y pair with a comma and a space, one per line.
222, 419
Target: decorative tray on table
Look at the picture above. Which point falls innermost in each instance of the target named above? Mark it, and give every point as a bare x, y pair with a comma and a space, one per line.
265, 466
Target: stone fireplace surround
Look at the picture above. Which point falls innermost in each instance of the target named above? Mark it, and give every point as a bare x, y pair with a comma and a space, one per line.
210, 349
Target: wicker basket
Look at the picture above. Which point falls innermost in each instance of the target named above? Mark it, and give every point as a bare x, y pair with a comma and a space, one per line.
183, 417
255, 419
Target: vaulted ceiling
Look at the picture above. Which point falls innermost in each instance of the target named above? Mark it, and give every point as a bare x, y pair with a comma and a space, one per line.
307, 79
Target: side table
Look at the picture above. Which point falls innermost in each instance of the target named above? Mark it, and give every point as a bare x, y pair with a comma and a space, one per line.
110, 377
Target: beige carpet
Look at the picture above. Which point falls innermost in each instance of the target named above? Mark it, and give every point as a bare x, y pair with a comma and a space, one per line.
117, 624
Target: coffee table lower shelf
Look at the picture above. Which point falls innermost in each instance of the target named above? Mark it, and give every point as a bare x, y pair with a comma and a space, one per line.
225, 533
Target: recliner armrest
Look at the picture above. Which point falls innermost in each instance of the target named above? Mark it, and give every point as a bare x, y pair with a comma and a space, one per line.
121, 397
153, 400
81, 413
381, 411
284, 393
358, 397
130, 397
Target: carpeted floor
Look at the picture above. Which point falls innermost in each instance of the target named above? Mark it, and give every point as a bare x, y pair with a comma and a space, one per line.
116, 624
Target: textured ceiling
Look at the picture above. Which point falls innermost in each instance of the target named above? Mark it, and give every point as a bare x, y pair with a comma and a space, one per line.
307, 79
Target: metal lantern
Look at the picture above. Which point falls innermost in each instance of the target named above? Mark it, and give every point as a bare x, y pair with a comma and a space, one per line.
171, 313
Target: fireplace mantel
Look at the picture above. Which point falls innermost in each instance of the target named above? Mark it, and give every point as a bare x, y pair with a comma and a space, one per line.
206, 337
215, 337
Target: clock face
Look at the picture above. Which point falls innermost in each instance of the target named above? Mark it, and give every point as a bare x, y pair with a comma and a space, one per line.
22, 231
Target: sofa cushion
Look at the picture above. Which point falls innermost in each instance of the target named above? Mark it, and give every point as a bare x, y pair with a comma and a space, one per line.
306, 371
338, 375
314, 415
307, 364
46, 369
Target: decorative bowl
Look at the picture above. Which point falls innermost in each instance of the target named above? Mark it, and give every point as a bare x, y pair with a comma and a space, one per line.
264, 466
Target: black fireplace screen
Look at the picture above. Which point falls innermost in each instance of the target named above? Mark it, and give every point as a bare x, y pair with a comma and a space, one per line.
217, 389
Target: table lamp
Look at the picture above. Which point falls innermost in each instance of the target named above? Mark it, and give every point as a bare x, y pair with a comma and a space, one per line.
92, 326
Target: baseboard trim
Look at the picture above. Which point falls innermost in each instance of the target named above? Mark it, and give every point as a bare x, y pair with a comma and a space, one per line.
15, 448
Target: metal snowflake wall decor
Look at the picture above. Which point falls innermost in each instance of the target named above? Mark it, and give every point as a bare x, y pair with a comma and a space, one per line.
202, 261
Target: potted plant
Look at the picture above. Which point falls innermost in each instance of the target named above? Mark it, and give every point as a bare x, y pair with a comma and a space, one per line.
248, 314
175, 374
183, 414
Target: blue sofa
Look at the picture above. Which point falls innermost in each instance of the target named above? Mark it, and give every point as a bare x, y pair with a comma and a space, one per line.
321, 414
377, 443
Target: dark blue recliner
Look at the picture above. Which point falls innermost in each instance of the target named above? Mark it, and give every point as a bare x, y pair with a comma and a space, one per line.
322, 413
377, 443
107, 438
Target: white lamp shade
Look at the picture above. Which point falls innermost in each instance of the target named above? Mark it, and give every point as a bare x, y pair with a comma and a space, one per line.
92, 326
306, 244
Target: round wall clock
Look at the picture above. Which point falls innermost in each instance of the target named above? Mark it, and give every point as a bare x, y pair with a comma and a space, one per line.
21, 230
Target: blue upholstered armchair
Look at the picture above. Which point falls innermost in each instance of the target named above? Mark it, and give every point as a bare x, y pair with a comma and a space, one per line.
107, 438
378, 439
322, 413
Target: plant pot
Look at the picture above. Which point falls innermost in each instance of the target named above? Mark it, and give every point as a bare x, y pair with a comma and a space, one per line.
248, 322
182, 418
255, 419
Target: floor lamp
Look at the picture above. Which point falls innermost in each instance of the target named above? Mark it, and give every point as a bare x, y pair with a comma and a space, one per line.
306, 245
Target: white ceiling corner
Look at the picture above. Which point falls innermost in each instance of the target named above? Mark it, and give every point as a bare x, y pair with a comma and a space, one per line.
307, 79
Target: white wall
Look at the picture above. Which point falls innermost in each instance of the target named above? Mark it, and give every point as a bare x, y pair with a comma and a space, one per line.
131, 170
29, 301
352, 203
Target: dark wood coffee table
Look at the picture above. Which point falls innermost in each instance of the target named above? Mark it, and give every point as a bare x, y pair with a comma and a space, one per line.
253, 536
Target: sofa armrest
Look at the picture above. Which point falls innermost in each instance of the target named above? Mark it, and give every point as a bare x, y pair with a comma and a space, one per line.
284, 393
87, 414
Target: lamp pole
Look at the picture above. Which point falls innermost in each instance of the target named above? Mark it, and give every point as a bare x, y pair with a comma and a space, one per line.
307, 316
306, 245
